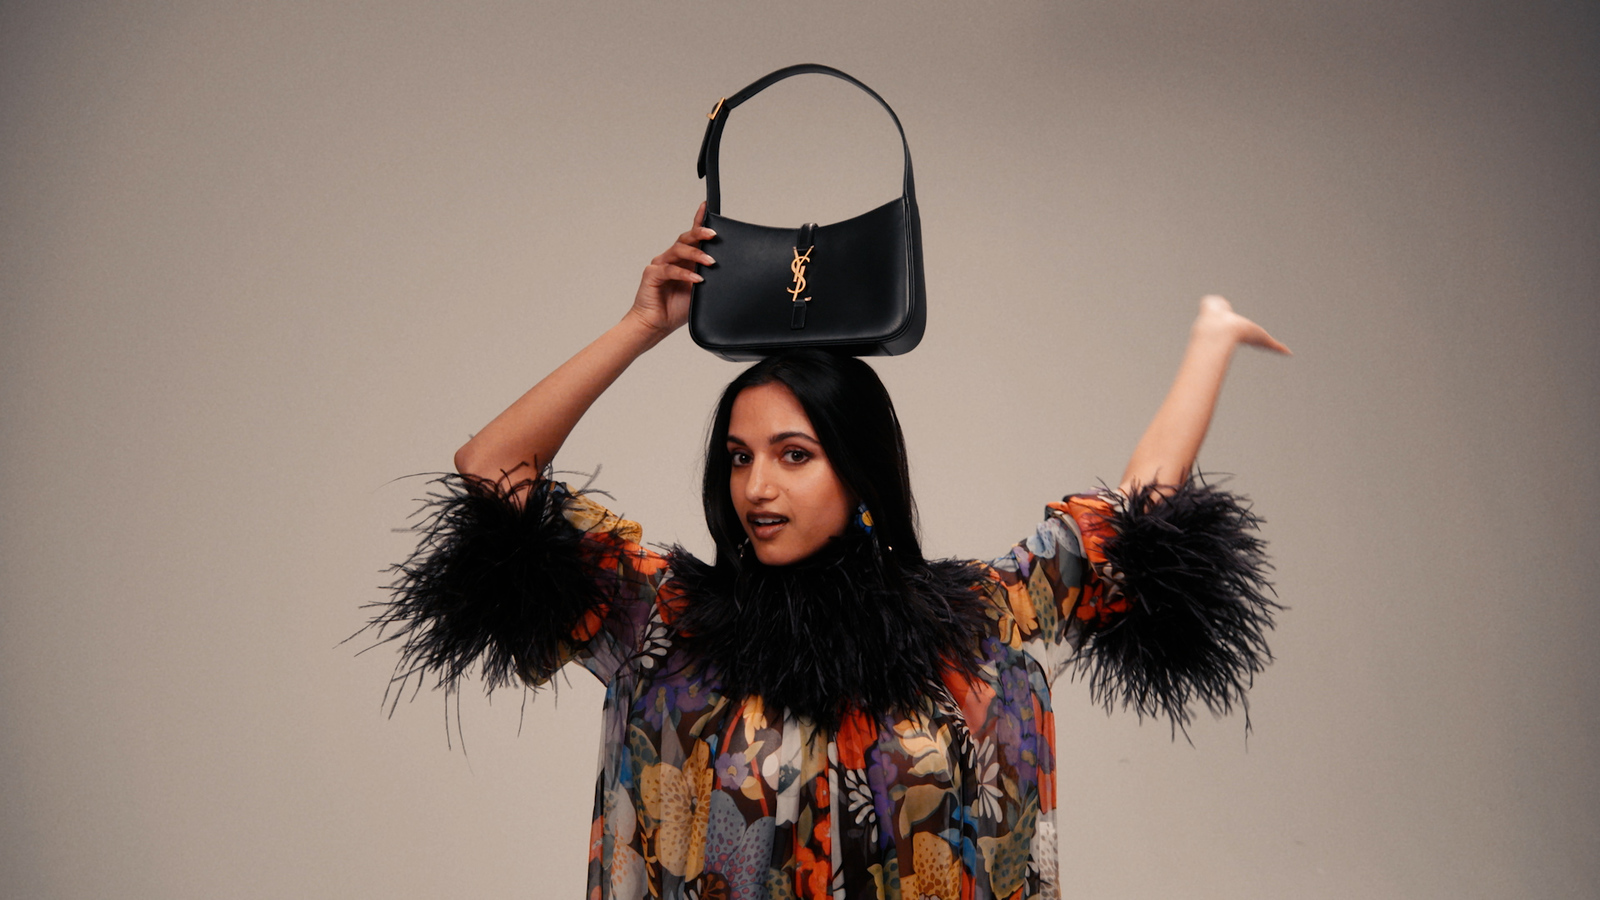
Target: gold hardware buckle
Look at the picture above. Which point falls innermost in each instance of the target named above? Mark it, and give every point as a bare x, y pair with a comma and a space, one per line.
713, 113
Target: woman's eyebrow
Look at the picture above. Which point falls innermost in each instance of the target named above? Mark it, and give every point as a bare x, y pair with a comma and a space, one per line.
775, 439
785, 435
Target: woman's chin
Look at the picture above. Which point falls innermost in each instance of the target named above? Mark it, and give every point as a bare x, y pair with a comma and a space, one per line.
785, 547
776, 556
781, 553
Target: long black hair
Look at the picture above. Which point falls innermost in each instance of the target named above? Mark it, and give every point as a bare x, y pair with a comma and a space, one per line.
865, 623
856, 424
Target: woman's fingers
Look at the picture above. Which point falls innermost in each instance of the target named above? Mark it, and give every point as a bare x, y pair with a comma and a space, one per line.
1258, 337
687, 246
684, 251
660, 273
695, 235
697, 231
679, 273
665, 287
1217, 317
702, 257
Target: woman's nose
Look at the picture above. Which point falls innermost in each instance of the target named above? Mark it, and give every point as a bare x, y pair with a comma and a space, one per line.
759, 486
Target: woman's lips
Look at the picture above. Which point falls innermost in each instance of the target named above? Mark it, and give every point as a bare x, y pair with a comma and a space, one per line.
765, 528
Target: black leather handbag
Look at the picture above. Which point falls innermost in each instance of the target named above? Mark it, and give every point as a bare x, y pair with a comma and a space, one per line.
853, 287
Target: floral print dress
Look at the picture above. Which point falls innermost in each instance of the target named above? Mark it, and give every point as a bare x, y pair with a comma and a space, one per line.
708, 797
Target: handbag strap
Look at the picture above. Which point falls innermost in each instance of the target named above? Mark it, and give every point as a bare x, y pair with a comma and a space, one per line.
719, 117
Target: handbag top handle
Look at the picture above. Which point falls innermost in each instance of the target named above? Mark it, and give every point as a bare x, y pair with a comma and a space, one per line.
719, 117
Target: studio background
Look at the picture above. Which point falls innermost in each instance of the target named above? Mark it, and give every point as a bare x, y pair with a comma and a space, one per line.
259, 260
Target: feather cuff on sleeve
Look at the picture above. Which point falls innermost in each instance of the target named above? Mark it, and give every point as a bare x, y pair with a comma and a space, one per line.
1183, 605
509, 584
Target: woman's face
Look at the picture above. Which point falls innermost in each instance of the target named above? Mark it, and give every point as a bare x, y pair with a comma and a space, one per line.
786, 493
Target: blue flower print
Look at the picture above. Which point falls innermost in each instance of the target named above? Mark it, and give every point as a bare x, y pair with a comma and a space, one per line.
882, 775
732, 770
668, 699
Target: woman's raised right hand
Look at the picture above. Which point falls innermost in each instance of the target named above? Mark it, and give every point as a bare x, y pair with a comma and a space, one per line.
662, 303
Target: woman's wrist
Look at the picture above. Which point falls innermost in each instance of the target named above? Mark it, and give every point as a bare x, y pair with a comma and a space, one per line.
1214, 329
637, 331
632, 336
1220, 329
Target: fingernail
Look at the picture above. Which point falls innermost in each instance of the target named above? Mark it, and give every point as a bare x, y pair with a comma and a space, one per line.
709, 232
698, 277
709, 261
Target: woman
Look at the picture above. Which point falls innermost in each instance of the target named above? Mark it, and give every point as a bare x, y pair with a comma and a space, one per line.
821, 711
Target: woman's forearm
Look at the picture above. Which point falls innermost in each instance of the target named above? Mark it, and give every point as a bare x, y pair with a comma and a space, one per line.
1167, 451
532, 430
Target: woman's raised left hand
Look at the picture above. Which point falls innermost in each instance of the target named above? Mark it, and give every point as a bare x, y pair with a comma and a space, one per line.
1166, 453
1218, 321
662, 303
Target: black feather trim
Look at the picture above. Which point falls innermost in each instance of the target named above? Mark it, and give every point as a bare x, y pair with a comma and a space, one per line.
1193, 571
493, 579
844, 630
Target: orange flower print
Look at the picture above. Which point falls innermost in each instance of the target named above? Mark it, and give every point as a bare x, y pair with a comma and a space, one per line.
856, 734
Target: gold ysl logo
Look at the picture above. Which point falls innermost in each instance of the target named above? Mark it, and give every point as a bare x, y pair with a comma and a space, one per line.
798, 268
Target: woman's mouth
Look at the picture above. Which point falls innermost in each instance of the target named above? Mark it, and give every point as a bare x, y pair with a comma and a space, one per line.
765, 526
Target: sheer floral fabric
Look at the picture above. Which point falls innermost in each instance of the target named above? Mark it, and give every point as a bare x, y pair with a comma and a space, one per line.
707, 797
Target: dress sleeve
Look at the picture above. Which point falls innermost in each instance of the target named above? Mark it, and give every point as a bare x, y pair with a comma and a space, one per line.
516, 589
1042, 583
1158, 599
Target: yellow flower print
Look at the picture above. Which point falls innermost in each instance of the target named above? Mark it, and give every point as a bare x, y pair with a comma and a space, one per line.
586, 515
676, 802
936, 872
1006, 858
697, 771
754, 715
1044, 601
671, 799
921, 800
1022, 607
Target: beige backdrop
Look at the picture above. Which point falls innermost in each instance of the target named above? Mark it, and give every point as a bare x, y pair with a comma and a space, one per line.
261, 259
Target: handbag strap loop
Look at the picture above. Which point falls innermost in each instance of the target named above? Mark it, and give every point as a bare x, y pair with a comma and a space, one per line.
708, 167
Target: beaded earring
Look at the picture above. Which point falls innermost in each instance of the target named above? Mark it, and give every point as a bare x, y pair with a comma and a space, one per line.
863, 519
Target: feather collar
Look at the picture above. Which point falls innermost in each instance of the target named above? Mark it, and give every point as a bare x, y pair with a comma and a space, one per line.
847, 629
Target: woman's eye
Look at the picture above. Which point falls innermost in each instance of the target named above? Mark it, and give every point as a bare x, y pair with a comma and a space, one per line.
795, 455
740, 457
